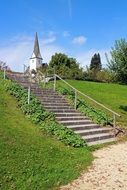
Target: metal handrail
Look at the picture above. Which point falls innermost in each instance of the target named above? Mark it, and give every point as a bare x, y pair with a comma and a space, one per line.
86, 96
29, 87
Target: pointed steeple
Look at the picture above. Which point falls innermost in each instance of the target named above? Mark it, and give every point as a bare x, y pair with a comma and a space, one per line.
36, 48
36, 59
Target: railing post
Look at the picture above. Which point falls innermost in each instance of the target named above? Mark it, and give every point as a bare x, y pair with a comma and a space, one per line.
54, 82
44, 81
4, 73
29, 94
24, 69
75, 103
29, 88
114, 121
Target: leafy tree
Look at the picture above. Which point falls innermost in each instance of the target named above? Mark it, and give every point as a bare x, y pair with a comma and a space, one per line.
65, 66
118, 62
96, 62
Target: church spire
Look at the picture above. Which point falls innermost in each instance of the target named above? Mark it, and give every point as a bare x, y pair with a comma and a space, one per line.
36, 48
36, 59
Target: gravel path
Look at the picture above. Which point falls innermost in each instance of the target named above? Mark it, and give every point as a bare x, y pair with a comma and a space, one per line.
108, 172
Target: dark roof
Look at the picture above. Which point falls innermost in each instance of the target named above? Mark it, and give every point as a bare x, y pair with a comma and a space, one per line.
36, 48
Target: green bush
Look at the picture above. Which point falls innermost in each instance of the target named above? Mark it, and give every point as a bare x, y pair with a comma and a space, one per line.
37, 114
95, 75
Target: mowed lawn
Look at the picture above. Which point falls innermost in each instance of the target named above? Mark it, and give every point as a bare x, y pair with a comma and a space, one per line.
114, 96
32, 160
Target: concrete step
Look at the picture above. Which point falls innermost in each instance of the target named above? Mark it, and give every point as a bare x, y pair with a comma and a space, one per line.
77, 127
96, 137
69, 114
101, 141
42, 89
71, 118
48, 99
56, 110
61, 110
93, 131
52, 101
57, 107
45, 89
25, 82
47, 94
55, 104
39, 90
73, 122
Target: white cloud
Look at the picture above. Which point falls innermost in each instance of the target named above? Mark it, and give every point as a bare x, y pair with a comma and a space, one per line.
49, 40
19, 49
79, 40
51, 33
66, 34
49, 50
84, 58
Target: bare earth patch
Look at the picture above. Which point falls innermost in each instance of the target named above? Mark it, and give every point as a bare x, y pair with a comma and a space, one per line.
108, 172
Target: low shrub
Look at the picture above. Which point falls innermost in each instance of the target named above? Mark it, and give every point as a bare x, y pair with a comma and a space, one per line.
64, 134
95, 114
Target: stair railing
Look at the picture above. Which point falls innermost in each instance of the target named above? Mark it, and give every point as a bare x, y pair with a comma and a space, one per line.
86, 96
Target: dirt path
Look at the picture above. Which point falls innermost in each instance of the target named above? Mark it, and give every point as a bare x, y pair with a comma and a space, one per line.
108, 172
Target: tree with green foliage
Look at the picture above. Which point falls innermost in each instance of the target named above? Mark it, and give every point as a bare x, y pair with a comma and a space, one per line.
96, 62
118, 62
65, 66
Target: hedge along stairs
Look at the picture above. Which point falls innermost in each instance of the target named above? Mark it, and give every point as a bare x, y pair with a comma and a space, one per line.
65, 114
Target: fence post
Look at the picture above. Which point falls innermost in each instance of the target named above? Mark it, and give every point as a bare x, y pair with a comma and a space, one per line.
54, 82
4, 73
75, 103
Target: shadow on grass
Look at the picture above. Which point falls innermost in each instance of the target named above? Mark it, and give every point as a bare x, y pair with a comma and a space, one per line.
123, 108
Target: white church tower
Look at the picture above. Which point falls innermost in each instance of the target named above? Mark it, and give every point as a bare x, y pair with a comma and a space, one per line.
36, 59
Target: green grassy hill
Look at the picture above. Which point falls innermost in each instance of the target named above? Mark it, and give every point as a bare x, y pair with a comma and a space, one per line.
114, 96
30, 159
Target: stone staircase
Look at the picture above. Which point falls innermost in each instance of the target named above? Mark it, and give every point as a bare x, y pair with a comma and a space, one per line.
65, 114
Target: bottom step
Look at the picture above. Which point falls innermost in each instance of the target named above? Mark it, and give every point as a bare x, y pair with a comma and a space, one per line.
103, 141
97, 137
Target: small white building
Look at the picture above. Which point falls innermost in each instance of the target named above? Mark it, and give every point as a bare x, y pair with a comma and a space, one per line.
36, 58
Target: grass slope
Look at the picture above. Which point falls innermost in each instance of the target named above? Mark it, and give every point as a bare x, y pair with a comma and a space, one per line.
113, 96
30, 159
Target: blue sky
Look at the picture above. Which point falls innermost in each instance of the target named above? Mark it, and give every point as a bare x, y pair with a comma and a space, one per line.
78, 28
